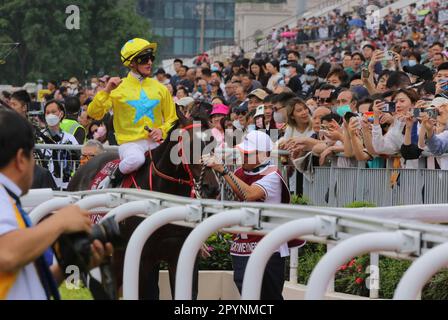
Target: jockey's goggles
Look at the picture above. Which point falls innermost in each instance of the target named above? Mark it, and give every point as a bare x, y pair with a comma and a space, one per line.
144, 57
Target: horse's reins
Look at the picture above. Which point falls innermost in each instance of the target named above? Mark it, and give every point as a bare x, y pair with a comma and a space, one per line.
196, 188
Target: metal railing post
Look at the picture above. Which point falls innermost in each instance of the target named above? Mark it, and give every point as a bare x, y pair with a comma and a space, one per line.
420, 272
110, 200
401, 241
44, 209
293, 264
192, 245
140, 236
253, 276
133, 208
374, 284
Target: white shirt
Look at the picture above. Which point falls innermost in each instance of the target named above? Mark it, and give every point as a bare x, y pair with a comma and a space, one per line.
27, 285
272, 187
391, 142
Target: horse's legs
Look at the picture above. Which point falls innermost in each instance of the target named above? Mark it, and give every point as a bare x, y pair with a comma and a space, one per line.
149, 280
172, 269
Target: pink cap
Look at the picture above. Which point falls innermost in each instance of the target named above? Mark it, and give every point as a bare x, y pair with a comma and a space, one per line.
220, 109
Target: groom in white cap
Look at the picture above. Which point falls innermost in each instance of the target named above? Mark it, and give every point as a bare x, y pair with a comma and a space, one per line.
256, 180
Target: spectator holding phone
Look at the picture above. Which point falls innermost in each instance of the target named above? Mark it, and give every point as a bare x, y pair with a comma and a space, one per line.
437, 143
401, 104
441, 79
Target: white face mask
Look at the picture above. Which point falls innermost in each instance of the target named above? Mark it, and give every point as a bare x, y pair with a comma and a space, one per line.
93, 85
412, 63
52, 120
237, 124
279, 117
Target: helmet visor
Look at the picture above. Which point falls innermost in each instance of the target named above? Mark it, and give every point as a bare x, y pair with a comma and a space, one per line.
144, 57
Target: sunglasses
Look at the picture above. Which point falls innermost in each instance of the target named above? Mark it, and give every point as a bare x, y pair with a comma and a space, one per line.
144, 58
241, 113
277, 109
324, 100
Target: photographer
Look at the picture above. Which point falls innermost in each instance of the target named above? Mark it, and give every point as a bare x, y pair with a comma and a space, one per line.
24, 272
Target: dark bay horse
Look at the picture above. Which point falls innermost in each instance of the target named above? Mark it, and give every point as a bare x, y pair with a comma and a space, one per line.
166, 243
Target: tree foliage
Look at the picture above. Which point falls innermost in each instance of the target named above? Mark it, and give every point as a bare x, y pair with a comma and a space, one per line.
49, 50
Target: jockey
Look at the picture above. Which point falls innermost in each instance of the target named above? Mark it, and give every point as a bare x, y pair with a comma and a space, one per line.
137, 101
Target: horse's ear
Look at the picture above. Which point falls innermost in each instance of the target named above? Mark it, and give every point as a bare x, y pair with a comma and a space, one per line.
182, 119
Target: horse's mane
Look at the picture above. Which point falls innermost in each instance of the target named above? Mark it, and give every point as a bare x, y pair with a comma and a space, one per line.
197, 115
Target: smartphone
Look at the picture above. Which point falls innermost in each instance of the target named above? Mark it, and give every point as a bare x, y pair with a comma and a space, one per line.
389, 107
388, 55
369, 115
349, 115
365, 73
444, 84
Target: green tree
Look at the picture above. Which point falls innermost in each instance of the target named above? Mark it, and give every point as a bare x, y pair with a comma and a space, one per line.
49, 50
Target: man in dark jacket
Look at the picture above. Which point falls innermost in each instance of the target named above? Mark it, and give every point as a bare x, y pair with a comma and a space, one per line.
295, 71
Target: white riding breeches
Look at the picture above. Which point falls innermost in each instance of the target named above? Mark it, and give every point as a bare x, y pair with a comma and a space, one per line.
132, 154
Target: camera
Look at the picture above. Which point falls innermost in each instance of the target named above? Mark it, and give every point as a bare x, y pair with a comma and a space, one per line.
74, 249
416, 113
432, 112
389, 107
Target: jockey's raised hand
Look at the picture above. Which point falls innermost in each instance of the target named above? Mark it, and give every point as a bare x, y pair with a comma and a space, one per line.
112, 84
156, 135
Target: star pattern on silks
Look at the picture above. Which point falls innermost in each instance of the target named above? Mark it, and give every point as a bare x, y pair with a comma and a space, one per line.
143, 107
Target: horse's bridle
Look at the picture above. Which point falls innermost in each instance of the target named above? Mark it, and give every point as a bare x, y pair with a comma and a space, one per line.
196, 187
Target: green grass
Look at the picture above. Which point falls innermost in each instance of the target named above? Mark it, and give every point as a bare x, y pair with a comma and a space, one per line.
77, 294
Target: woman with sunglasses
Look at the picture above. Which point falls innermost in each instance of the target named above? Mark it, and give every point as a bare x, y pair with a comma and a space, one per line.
137, 101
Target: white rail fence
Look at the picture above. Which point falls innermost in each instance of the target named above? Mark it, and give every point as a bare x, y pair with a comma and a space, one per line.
405, 232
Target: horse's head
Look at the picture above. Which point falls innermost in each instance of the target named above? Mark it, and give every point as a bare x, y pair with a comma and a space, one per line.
195, 139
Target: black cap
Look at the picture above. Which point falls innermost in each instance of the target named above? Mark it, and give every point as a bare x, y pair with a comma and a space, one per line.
419, 70
160, 71
296, 66
243, 107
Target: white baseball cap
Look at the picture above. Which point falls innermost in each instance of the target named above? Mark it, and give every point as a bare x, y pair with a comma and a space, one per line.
260, 111
256, 141
185, 101
439, 101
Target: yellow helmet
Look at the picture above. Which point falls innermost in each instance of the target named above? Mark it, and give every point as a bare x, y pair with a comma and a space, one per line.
133, 47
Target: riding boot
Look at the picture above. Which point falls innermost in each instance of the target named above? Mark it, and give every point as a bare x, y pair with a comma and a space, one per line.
116, 178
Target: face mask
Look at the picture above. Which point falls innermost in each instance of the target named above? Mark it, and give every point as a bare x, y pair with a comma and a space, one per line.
52, 120
412, 63
251, 127
237, 124
100, 133
284, 71
342, 110
310, 79
213, 69
279, 117
93, 86
309, 67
